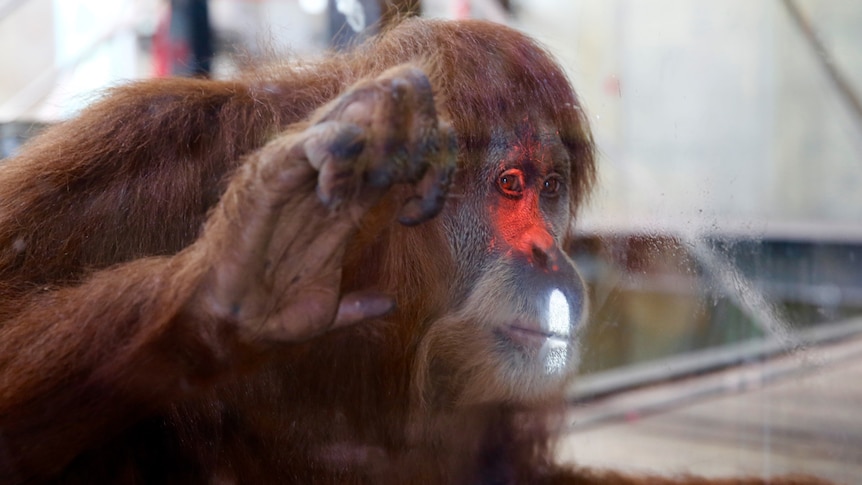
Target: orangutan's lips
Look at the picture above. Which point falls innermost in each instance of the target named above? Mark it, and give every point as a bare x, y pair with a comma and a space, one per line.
537, 333
530, 334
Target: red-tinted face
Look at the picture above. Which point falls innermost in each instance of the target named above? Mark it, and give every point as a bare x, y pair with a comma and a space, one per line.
529, 210
522, 295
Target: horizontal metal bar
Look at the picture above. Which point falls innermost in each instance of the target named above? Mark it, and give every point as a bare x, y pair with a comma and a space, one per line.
601, 384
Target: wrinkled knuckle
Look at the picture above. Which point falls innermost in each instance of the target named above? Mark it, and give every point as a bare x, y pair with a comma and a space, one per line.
416, 77
347, 142
333, 141
399, 88
363, 89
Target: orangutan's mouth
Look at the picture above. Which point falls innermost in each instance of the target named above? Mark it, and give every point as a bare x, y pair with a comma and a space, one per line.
530, 334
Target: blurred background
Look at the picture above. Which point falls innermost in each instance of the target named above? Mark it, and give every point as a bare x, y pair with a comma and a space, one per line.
723, 248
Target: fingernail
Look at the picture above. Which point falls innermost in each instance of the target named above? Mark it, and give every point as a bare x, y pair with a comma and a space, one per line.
412, 212
377, 306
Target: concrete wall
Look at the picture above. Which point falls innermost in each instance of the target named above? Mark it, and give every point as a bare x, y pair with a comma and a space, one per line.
714, 113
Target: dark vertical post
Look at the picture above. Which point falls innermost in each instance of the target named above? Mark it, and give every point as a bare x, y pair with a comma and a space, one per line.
191, 38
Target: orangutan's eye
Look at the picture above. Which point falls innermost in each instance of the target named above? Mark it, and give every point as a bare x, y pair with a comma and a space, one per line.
511, 183
551, 186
